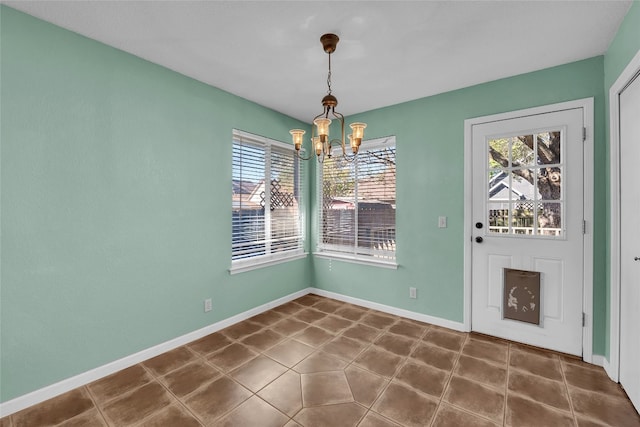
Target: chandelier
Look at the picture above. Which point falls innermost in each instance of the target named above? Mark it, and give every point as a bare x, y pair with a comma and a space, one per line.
320, 140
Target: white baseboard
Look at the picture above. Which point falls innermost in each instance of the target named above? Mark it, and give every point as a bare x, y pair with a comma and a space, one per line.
600, 360
458, 326
609, 369
597, 359
19, 403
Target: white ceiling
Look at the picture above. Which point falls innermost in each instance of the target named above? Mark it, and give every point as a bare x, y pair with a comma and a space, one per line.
390, 51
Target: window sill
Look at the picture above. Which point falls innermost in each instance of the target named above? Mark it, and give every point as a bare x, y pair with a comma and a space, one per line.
252, 264
365, 260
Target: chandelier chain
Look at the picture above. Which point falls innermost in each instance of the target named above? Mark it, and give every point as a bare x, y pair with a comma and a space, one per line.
329, 76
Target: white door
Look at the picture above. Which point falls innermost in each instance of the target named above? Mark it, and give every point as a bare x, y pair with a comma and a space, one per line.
528, 216
630, 241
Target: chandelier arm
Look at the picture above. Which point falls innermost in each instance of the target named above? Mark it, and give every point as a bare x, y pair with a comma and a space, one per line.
302, 157
335, 142
340, 117
349, 158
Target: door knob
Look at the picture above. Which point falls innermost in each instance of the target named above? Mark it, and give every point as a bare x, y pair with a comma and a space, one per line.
636, 258
478, 225
478, 239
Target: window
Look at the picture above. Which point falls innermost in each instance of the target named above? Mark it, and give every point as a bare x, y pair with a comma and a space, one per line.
358, 204
267, 218
525, 183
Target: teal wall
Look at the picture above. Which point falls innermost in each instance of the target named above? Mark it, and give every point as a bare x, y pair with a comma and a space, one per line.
115, 195
624, 47
430, 183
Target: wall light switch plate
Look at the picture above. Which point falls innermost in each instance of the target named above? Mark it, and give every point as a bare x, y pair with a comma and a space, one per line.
442, 222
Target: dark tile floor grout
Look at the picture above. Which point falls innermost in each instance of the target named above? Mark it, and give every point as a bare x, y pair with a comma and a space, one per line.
317, 361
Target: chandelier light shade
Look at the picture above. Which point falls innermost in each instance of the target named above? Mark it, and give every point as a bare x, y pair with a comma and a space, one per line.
320, 140
297, 135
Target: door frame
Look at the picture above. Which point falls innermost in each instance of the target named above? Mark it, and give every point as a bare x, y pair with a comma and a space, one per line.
588, 176
612, 366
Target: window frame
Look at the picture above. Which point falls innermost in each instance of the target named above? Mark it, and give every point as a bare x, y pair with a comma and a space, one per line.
270, 258
328, 251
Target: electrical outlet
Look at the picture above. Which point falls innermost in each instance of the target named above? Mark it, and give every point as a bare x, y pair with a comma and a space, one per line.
442, 222
208, 306
413, 293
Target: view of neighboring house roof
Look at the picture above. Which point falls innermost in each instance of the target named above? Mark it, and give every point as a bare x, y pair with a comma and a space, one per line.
246, 194
381, 187
243, 187
499, 188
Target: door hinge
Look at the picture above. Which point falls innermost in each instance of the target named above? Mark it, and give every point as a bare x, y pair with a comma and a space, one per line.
584, 319
584, 134
584, 226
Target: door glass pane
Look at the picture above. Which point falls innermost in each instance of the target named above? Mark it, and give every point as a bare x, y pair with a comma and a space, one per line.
498, 185
550, 219
522, 150
498, 218
548, 144
522, 187
522, 218
550, 183
499, 152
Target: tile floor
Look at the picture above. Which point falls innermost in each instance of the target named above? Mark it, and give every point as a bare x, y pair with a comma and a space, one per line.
320, 362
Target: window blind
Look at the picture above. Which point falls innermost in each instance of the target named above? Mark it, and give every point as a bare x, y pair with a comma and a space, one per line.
266, 199
358, 202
